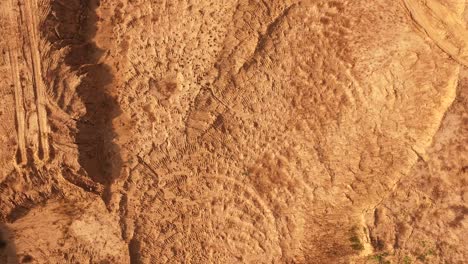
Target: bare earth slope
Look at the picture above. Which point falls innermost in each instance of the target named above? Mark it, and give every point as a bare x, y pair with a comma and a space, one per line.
233, 131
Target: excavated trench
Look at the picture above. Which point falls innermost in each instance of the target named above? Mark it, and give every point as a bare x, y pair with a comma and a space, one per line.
73, 27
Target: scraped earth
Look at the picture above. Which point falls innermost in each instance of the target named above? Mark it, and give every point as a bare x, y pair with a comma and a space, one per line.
233, 131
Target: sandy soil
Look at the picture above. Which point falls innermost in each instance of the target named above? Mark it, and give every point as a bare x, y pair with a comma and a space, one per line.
233, 131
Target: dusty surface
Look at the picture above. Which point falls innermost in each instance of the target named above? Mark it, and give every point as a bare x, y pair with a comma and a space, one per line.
233, 131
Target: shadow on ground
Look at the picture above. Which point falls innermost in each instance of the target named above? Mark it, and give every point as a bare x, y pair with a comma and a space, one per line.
99, 156
8, 247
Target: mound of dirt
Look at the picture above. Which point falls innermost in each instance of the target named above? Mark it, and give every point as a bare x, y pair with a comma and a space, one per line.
235, 131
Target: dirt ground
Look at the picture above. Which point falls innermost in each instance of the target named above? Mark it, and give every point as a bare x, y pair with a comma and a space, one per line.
233, 131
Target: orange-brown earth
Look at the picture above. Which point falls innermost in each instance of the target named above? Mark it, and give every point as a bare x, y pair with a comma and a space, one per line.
234, 131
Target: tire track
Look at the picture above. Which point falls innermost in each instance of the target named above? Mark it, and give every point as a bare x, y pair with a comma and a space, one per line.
13, 45
30, 9
442, 26
30, 97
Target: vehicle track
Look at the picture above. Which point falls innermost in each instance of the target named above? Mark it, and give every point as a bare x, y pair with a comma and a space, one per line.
29, 88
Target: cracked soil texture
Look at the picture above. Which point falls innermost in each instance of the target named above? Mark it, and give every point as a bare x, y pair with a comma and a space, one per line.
233, 131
